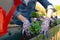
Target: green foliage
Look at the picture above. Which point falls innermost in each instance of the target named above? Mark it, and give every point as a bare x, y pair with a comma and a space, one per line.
35, 27
55, 23
34, 14
41, 15
58, 21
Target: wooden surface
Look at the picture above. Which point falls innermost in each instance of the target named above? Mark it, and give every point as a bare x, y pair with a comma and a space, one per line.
56, 37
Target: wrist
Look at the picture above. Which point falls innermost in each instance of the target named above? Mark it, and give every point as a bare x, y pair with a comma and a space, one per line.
49, 13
